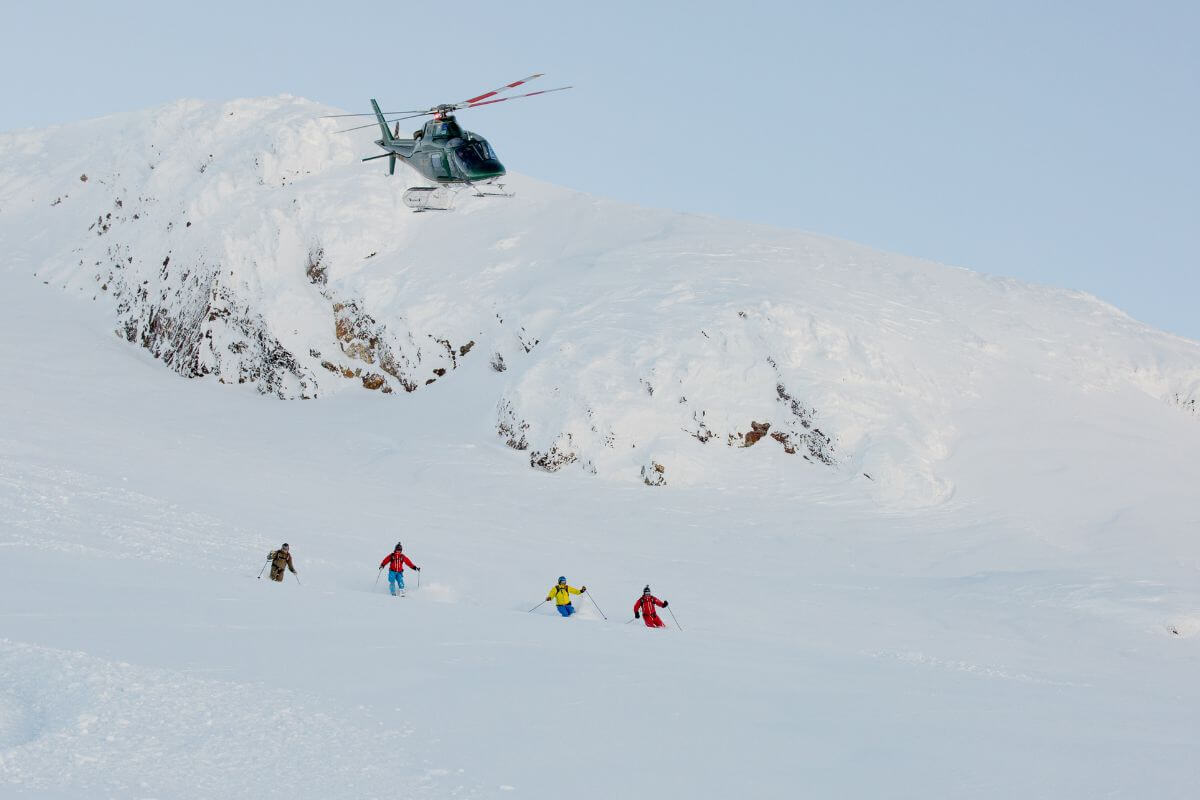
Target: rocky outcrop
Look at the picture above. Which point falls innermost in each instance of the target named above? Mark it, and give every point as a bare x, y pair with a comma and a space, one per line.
654, 474
394, 348
199, 326
1188, 401
560, 454
510, 428
757, 431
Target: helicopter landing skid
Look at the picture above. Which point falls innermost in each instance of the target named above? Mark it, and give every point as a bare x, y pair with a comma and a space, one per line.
429, 198
480, 190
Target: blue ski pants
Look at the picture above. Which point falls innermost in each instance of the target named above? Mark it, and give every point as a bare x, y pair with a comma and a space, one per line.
395, 581
566, 610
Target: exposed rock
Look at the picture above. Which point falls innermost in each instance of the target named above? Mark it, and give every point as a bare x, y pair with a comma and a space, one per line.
199, 326
1186, 402
527, 342
702, 433
359, 350
372, 380
555, 458
394, 350
757, 431
509, 428
786, 441
806, 437
654, 474
317, 272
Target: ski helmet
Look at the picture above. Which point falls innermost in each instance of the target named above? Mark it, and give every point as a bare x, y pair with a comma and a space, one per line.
646, 590
399, 546
285, 546
561, 579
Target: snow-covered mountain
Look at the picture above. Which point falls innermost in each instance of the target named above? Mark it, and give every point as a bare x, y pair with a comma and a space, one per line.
930, 533
246, 242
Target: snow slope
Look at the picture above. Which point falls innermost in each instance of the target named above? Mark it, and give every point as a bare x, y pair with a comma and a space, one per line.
1004, 608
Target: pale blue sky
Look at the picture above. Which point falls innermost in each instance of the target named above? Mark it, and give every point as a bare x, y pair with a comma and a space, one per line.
1054, 142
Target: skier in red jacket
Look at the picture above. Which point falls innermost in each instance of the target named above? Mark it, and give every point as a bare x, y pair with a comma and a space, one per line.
645, 608
395, 562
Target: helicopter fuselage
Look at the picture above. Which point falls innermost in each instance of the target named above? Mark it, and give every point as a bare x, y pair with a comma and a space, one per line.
444, 153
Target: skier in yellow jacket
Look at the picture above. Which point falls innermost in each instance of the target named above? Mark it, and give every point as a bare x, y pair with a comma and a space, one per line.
561, 593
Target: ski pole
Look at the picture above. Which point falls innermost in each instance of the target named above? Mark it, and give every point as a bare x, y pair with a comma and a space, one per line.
264, 569
378, 575
418, 579
631, 619
535, 608
677, 625
297, 577
597, 605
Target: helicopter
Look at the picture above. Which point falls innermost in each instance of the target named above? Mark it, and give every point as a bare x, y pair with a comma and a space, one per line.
441, 151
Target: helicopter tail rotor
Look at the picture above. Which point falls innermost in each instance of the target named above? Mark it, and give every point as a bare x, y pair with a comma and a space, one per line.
391, 157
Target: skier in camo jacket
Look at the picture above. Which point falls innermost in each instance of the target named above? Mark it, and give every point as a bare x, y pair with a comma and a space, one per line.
281, 559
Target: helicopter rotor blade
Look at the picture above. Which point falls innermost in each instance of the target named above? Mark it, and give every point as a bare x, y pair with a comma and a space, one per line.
388, 121
514, 97
472, 103
369, 114
503, 88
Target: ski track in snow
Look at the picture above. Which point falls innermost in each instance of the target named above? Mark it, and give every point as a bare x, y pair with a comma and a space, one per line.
117, 730
63, 510
982, 670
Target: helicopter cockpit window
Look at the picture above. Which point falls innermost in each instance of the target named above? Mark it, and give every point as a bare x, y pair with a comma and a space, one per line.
476, 153
447, 129
469, 154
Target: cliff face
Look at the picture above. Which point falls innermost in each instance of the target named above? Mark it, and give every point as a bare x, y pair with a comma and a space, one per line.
246, 243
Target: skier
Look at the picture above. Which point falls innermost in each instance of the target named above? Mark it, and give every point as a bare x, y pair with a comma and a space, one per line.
644, 607
280, 559
395, 562
560, 593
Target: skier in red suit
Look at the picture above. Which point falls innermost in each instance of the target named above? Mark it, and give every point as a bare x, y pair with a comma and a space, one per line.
395, 562
645, 608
